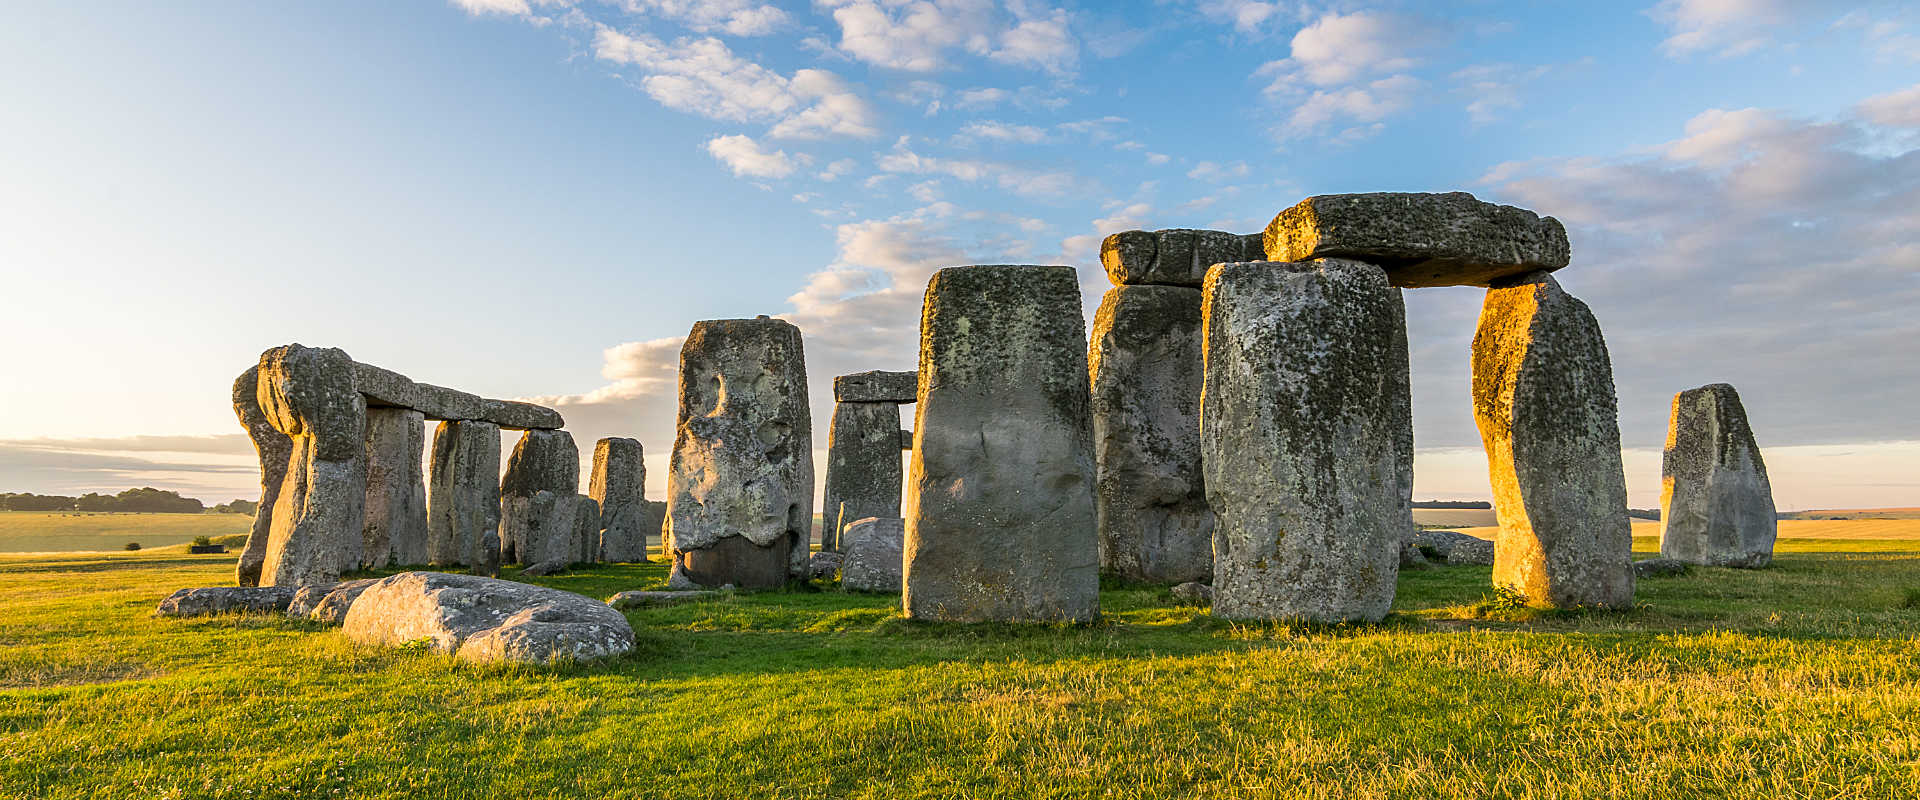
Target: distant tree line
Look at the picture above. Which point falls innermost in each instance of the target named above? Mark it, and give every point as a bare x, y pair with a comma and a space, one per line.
143, 500
1452, 504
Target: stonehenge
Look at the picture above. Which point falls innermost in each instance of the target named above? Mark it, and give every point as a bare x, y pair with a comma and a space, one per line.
274, 450
1420, 239
1716, 506
395, 529
999, 504
863, 450
619, 484
535, 529
308, 394
872, 562
463, 496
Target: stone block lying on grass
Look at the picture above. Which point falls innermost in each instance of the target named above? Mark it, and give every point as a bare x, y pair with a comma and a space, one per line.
1193, 593
327, 603
1477, 552
225, 600
640, 599
1438, 544
1659, 568
873, 562
487, 619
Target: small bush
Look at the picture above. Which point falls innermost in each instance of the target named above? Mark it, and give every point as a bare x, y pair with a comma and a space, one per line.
132, 546
202, 541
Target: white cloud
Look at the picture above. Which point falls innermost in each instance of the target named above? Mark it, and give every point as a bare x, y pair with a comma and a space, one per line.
1899, 109
1019, 180
981, 99
838, 169
1367, 104
748, 159
1493, 88
705, 77
1002, 132
1246, 15
1040, 42
1157, 159
918, 35
1727, 27
520, 8
1209, 171
735, 17
1329, 77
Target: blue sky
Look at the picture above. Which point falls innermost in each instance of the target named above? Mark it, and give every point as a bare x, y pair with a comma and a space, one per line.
536, 198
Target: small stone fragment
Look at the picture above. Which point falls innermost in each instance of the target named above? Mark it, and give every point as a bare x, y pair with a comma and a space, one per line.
1660, 568
1716, 505
1420, 239
625, 600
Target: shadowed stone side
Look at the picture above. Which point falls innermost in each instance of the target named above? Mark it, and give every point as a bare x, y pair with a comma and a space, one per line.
1174, 257
1543, 398
1420, 239
619, 485
274, 449
463, 495
307, 393
395, 527
999, 508
1716, 506
1150, 502
1301, 438
542, 461
876, 386
863, 467
384, 387
740, 482
873, 556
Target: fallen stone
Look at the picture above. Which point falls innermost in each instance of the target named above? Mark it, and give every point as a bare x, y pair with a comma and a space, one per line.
1300, 440
1660, 568
1411, 557
1193, 593
823, 566
1715, 501
1471, 552
999, 510
317, 518
619, 485
1150, 501
226, 600
384, 387
486, 619
1543, 399
1438, 544
275, 450
643, 599
876, 386
463, 505
873, 561
544, 569
1421, 239
1176, 257
395, 526
327, 604
863, 466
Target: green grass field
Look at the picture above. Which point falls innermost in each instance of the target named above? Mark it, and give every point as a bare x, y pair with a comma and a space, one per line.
42, 531
1802, 680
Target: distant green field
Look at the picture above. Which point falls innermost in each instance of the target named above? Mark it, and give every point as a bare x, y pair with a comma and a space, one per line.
46, 531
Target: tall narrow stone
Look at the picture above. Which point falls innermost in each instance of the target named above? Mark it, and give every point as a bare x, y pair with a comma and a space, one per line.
274, 450
463, 497
1716, 506
308, 394
619, 485
1300, 434
1151, 501
542, 461
740, 481
395, 528
1543, 398
999, 507
863, 466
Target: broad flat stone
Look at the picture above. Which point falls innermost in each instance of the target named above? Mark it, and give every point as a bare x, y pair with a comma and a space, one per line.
384, 387
873, 562
1659, 568
1175, 257
863, 467
275, 450
999, 507
876, 386
307, 393
619, 485
643, 599
487, 620
225, 600
395, 526
1543, 399
463, 502
1151, 501
1300, 439
1421, 239
1716, 504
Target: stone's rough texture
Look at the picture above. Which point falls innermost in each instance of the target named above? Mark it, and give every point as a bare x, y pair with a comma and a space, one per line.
551, 527
275, 449
644, 599
876, 386
1150, 501
824, 565
1193, 593
307, 393
307, 598
1716, 505
463, 503
906, 439
1439, 544
385, 387
1471, 551
225, 600
873, 559
863, 467
619, 485
1177, 257
487, 620
586, 530
999, 508
542, 461
327, 604
395, 526
742, 465
1543, 399
544, 568
1300, 439
1420, 239
1411, 557
1659, 568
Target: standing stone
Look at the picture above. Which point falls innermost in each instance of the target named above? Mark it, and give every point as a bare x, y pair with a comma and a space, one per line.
873, 557
275, 449
999, 507
619, 485
463, 501
1151, 501
740, 481
542, 461
307, 393
1716, 506
1421, 239
1300, 438
1543, 398
395, 530
863, 466
586, 529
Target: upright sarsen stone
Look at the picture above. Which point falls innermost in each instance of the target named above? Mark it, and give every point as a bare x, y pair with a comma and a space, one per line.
308, 394
274, 450
863, 466
1300, 436
619, 484
1150, 501
395, 527
999, 507
1543, 398
463, 495
740, 481
1716, 506
542, 461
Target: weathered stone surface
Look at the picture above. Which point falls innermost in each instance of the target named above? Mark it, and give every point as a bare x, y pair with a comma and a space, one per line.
824, 565
1150, 501
544, 568
225, 600
1543, 399
586, 530
551, 526
876, 386
906, 439
1716, 505
463, 503
307, 598
1412, 557
863, 467
999, 507
740, 482
1439, 544
384, 387
874, 560
327, 604
644, 599
1660, 568
307, 393
619, 485
1175, 257
275, 450
1420, 239
1471, 551
1300, 439
486, 619
542, 461
395, 526
1193, 593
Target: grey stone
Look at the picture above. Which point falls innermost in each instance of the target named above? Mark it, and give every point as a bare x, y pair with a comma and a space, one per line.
586, 530
486, 619
1421, 239
906, 439
1715, 500
999, 509
463, 502
876, 386
1471, 551
384, 387
225, 600
740, 481
1660, 568
542, 461
1150, 501
863, 466
327, 604
307, 598
1543, 399
1440, 543
544, 568
548, 526
619, 484
644, 599
1300, 439
1193, 593
307, 393
824, 565
1412, 557
275, 450
395, 526
874, 560
1175, 257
